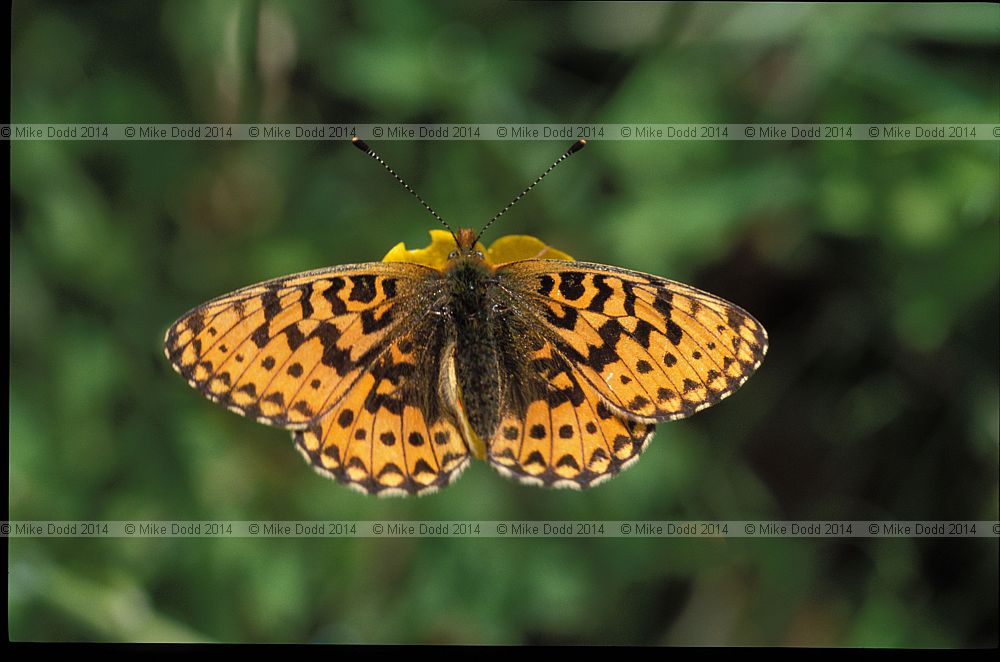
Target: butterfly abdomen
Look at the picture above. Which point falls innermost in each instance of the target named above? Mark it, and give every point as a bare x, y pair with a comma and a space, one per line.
476, 364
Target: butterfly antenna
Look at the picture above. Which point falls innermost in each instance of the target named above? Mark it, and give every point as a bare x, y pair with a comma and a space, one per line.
574, 148
363, 146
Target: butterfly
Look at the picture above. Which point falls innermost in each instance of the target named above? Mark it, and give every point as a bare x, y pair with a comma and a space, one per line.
392, 375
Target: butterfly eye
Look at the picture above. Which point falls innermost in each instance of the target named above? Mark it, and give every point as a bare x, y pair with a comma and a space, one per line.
479, 254
452, 255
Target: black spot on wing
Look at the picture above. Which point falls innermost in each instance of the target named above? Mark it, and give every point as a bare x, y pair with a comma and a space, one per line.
260, 336
421, 467
389, 468
196, 323
332, 452
642, 331
674, 332
362, 288
293, 336
389, 287
663, 303
571, 285
568, 461
272, 305
734, 319
333, 356
535, 458
545, 284
637, 403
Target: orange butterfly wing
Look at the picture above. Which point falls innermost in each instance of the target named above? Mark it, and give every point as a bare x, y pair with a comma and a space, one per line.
617, 351
654, 349
391, 435
347, 357
352, 360
563, 434
287, 350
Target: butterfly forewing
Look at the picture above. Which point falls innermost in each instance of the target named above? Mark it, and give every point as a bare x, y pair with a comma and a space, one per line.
653, 349
287, 350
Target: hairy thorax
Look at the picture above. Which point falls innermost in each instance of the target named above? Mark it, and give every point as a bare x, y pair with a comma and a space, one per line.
473, 314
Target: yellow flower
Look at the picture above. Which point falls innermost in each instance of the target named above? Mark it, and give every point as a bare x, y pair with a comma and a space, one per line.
510, 248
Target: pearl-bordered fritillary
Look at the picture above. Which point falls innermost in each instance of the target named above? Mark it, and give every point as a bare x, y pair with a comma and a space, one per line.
391, 374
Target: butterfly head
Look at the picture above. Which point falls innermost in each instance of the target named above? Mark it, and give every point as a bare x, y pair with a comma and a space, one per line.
467, 246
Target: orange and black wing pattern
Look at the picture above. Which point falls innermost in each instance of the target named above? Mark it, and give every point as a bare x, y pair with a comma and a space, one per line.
286, 350
617, 351
654, 349
331, 354
390, 434
556, 430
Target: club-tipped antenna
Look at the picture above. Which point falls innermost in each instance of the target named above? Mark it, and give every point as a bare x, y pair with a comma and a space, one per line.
574, 148
363, 146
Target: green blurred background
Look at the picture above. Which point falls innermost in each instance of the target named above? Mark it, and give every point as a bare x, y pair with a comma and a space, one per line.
874, 265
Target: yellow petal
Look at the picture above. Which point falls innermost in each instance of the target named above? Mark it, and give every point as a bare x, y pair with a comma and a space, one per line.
515, 247
435, 255
505, 249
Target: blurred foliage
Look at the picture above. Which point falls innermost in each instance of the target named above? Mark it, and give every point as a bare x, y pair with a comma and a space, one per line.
874, 265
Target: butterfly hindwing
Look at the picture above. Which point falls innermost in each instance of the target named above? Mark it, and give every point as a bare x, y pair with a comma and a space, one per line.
653, 349
390, 435
286, 350
556, 430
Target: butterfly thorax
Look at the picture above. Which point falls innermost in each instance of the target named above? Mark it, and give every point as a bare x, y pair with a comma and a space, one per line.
473, 316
